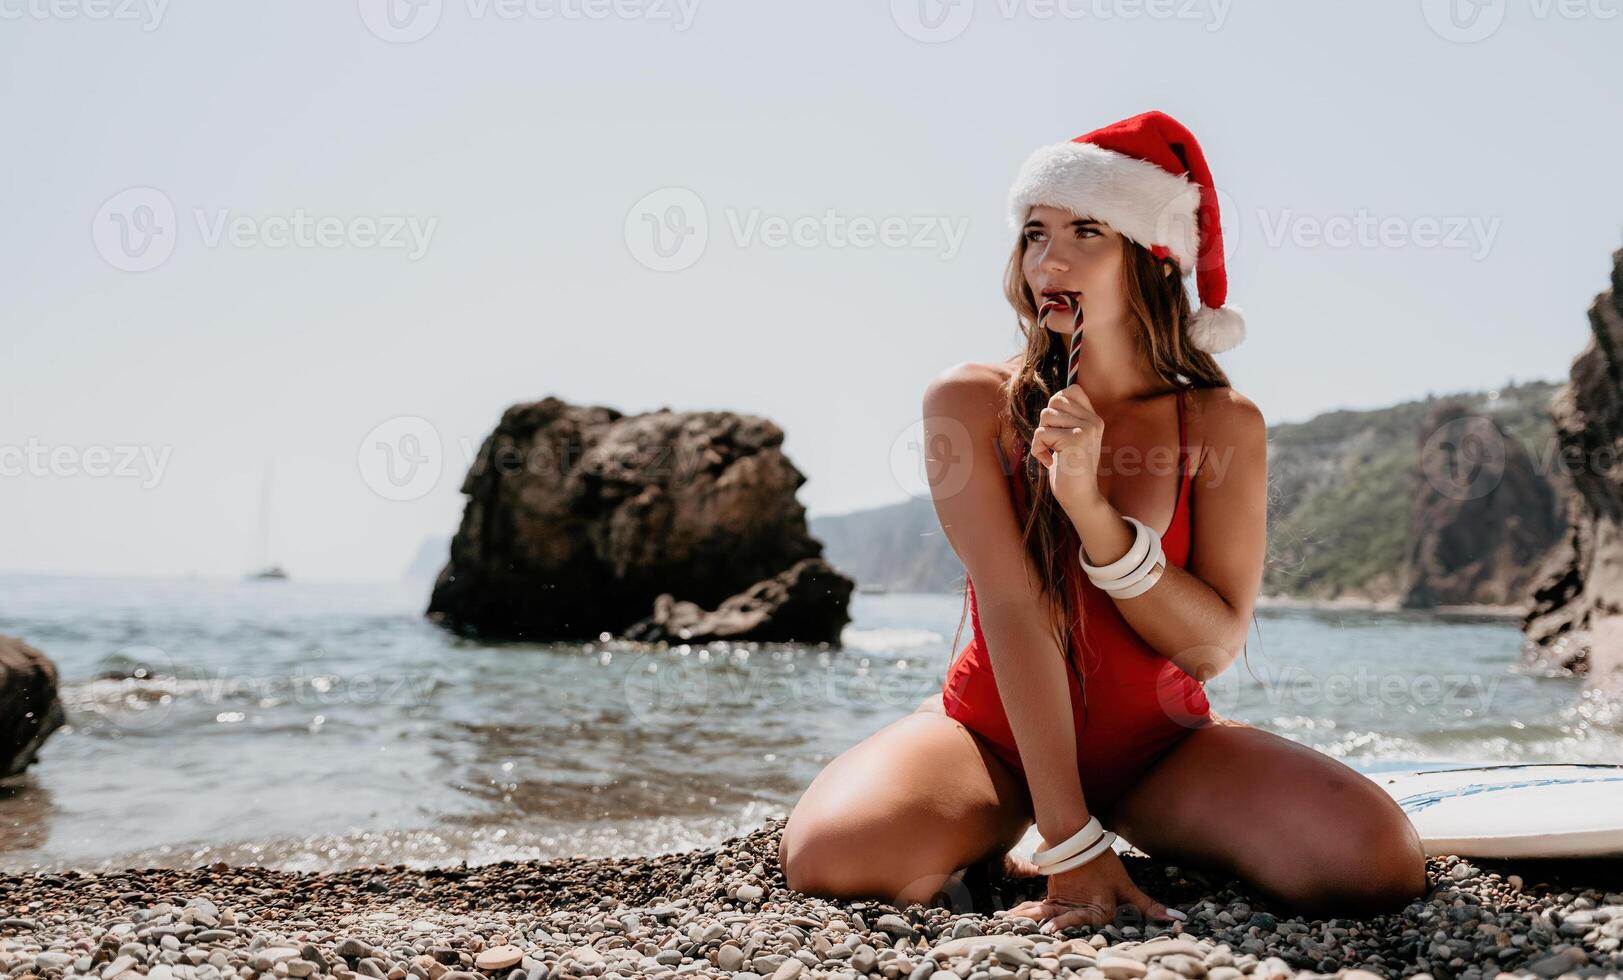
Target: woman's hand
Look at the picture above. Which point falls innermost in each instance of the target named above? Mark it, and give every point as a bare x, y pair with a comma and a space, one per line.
1089, 896
1067, 441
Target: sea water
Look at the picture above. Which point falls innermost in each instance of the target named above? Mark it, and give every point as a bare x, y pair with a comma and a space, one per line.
307, 726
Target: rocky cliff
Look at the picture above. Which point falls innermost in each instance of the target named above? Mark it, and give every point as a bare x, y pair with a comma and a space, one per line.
1576, 619
1483, 514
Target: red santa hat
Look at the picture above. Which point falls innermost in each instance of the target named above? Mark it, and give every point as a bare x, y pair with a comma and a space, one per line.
1147, 178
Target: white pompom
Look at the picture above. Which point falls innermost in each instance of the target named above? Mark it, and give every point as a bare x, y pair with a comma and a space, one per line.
1215, 331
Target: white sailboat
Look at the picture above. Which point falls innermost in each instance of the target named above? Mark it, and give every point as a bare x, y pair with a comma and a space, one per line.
267, 571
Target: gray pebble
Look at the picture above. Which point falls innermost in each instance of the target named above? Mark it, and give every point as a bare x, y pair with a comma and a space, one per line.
895, 925
923, 970
52, 961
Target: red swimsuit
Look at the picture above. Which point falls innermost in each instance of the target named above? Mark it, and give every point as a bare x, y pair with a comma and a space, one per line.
1139, 703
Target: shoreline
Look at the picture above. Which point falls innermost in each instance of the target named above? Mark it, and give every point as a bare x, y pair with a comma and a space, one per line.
1364, 604
725, 912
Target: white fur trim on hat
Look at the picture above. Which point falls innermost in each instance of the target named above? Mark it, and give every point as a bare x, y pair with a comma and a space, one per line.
1215, 331
1140, 200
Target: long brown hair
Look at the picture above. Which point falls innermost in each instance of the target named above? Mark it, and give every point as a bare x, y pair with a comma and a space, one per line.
1158, 305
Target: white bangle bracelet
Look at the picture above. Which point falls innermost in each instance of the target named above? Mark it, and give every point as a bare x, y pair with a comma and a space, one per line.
1096, 850
1126, 563
1134, 577
1145, 584
1076, 843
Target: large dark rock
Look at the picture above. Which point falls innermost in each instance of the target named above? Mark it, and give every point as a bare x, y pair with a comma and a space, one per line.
29, 708
1576, 619
580, 518
1482, 516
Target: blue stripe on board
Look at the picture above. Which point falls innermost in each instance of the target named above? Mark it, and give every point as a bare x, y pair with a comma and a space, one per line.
1420, 801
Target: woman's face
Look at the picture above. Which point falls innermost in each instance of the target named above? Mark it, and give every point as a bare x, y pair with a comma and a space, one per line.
1068, 252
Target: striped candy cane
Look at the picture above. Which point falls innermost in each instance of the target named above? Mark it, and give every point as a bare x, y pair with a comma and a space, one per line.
1074, 358
1074, 355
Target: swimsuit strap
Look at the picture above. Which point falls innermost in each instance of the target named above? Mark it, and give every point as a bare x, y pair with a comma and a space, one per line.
1183, 450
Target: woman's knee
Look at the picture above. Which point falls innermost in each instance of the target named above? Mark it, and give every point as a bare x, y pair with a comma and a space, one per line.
1370, 860
844, 859
879, 821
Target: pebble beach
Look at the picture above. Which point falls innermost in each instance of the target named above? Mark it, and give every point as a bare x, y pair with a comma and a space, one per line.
725, 912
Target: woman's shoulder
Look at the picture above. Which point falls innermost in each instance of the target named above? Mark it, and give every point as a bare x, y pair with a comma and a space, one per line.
975, 394
1228, 420
969, 389
1225, 407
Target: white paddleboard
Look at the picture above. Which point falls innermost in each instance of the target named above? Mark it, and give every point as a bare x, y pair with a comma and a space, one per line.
1514, 810
1504, 811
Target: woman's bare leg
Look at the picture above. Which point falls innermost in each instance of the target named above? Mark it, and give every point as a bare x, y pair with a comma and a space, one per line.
1299, 825
899, 814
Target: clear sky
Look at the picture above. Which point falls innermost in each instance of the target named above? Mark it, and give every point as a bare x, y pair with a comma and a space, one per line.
236, 232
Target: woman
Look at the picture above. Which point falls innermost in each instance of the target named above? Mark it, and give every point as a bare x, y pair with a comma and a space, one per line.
1106, 720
